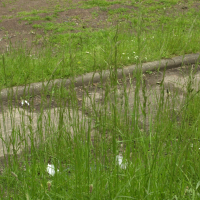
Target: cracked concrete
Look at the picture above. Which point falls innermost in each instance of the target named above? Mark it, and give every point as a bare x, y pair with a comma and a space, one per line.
20, 126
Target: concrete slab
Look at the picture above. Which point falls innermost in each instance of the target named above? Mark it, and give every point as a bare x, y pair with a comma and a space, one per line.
174, 87
19, 127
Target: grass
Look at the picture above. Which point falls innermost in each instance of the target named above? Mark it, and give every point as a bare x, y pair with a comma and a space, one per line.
89, 53
159, 142
158, 163
163, 34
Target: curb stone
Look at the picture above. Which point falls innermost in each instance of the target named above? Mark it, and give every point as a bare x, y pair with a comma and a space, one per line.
38, 88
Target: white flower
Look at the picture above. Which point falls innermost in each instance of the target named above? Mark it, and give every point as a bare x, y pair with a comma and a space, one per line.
123, 53
87, 52
119, 159
136, 57
51, 169
23, 102
133, 52
128, 58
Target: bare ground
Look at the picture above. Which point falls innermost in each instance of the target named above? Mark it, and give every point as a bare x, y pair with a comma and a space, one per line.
17, 32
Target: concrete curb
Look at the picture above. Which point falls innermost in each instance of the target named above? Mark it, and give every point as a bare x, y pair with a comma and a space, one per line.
38, 88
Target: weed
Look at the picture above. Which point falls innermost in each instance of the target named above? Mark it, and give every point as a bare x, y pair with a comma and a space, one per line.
120, 142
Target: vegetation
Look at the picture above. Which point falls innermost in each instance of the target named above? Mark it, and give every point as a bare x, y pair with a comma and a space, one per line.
145, 30
109, 154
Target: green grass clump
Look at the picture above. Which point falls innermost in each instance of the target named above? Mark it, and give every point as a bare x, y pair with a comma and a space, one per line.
160, 148
159, 164
136, 33
80, 53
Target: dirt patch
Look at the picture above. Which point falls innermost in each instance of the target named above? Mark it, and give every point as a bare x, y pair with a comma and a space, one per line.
20, 32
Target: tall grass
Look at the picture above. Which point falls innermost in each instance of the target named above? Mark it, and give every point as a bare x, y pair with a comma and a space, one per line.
85, 138
159, 162
160, 36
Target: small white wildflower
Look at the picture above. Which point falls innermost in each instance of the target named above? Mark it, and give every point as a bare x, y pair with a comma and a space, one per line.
132, 40
119, 159
51, 169
32, 32
123, 53
87, 52
133, 52
24, 102
136, 57
128, 58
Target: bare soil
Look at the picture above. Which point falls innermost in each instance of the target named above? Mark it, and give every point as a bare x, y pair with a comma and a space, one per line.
18, 32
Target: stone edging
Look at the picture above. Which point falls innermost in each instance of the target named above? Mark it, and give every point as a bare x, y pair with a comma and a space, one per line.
37, 88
